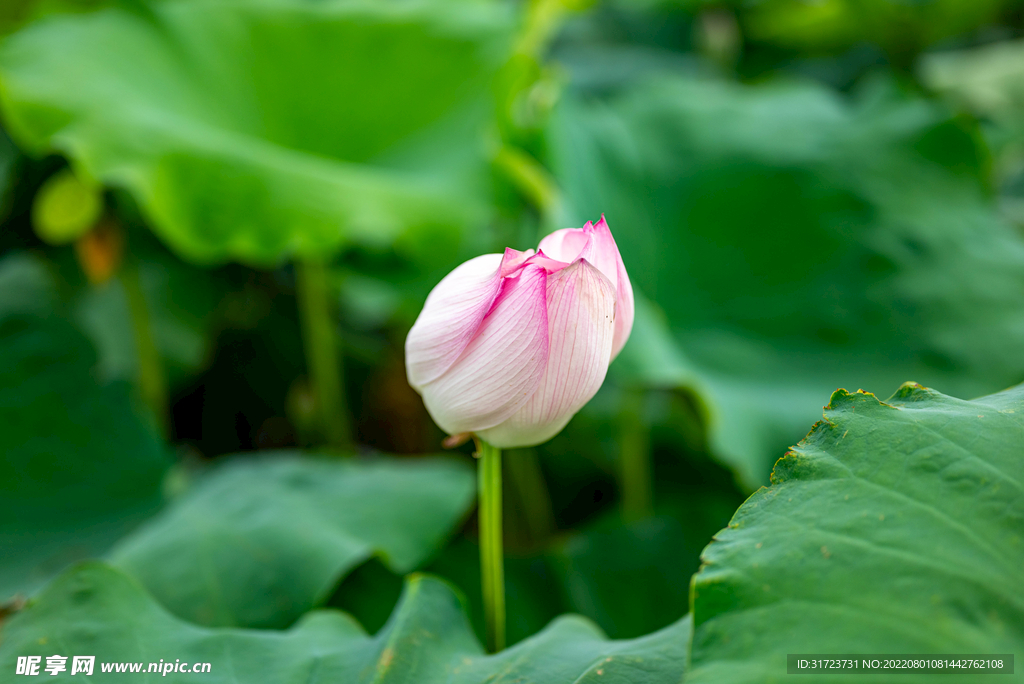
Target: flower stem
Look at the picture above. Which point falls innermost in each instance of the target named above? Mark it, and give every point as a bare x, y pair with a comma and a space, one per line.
322, 353
152, 383
492, 568
635, 459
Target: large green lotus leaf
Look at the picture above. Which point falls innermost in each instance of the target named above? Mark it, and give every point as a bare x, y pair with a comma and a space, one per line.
796, 243
94, 610
14, 13
260, 541
894, 527
79, 466
260, 129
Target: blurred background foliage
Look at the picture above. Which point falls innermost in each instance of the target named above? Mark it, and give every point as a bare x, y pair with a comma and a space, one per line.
214, 211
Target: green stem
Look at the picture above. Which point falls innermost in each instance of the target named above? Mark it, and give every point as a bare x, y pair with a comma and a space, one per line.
323, 357
492, 568
635, 459
152, 383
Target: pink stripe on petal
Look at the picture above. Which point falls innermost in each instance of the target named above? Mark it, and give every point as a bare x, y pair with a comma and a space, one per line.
581, 308
453, 312
502, 366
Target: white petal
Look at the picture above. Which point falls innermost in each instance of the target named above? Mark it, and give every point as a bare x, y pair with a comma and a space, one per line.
453, 312
581, 305
503, 364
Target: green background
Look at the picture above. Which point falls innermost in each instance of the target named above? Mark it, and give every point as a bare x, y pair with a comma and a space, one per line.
812, 200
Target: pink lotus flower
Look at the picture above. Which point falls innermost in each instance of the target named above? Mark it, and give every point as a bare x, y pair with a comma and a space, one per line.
510, 346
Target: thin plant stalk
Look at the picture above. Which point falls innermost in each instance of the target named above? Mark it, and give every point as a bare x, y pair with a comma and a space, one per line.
635, 481
323, 357
151, 378
492, 564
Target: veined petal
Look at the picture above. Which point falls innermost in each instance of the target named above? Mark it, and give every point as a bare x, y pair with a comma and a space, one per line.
624, 310
593, 242
513, 260
453, 312
609, 259
502, 366
601, 250
565, 244
581, 308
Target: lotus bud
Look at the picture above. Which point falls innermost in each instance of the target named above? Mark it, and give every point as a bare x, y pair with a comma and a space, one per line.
510, 346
